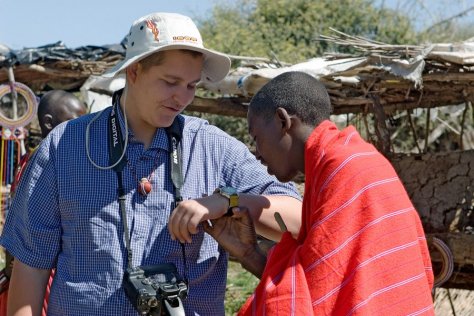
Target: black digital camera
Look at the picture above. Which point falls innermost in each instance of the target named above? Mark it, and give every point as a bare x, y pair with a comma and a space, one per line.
156, 290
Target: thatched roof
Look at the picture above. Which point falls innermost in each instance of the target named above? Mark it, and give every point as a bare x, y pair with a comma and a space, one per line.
55, 66
392, 76
377, 78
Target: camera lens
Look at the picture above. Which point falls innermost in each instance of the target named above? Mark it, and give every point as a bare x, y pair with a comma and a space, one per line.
153, 302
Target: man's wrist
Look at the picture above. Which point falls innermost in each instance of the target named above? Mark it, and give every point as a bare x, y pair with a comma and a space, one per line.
232, 197
223, 203
254, 262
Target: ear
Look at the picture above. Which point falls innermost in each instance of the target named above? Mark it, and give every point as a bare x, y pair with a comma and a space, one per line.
48, 121
132, 72
284, 119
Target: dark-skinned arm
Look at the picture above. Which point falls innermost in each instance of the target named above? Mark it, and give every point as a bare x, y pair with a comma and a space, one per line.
236, 234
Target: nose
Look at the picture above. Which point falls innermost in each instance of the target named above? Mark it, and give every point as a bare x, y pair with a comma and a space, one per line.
183, 96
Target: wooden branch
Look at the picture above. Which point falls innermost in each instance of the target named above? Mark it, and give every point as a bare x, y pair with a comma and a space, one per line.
236, 106
449, 77
457, 15
381, 130
391, 102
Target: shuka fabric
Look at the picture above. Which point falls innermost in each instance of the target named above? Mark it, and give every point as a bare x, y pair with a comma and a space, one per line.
361, 249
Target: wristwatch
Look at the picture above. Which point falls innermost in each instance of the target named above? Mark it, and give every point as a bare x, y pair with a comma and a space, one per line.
232, 195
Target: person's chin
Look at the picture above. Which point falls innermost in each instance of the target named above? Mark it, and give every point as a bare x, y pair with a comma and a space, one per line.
280, 177
269, 170
166, 120
283, 178
272, 173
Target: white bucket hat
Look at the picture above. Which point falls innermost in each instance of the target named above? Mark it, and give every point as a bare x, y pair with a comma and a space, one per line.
165, 31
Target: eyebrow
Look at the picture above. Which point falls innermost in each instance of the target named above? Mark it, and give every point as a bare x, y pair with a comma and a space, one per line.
173, 77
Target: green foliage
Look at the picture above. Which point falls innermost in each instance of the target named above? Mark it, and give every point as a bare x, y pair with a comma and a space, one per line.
234, 126
289, 29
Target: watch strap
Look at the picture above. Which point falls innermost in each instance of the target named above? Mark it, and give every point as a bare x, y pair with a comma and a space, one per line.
233, 198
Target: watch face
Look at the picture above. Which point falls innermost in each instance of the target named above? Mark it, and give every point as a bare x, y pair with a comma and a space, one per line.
229, 190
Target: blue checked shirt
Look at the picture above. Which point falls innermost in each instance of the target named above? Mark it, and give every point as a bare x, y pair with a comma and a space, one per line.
65, 214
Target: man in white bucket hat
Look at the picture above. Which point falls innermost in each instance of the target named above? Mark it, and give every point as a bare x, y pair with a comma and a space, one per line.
130, 187
170, 31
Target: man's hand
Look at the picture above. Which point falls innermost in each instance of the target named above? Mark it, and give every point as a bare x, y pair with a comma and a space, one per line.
236, 233
186, 217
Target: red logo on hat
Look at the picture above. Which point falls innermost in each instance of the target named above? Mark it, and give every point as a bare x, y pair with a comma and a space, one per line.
153, 29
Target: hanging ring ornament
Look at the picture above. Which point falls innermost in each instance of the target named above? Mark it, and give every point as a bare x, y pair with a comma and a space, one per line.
447, 260
31, 105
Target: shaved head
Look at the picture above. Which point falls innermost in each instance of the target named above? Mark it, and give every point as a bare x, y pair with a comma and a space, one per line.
58, 106
298, 93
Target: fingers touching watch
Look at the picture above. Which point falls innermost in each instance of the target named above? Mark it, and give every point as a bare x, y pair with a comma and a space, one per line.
231, 195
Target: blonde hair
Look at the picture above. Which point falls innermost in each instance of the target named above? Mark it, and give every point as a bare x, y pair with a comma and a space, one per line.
158, 58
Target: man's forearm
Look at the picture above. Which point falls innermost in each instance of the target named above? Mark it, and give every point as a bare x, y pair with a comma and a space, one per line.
26, 290
262, 209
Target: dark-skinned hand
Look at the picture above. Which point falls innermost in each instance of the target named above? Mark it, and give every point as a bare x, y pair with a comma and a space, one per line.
236, 233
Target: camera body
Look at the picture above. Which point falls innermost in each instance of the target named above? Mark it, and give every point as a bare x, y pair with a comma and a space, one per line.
156, 290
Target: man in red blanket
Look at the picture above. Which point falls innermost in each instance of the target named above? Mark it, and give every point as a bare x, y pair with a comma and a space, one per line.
361, 249
55, 107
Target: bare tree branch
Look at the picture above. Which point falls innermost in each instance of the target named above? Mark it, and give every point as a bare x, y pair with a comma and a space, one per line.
458, 15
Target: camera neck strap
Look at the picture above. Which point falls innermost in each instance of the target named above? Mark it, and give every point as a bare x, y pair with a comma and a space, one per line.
116, 148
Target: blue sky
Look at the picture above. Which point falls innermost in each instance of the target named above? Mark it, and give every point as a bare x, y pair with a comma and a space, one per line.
32, 23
